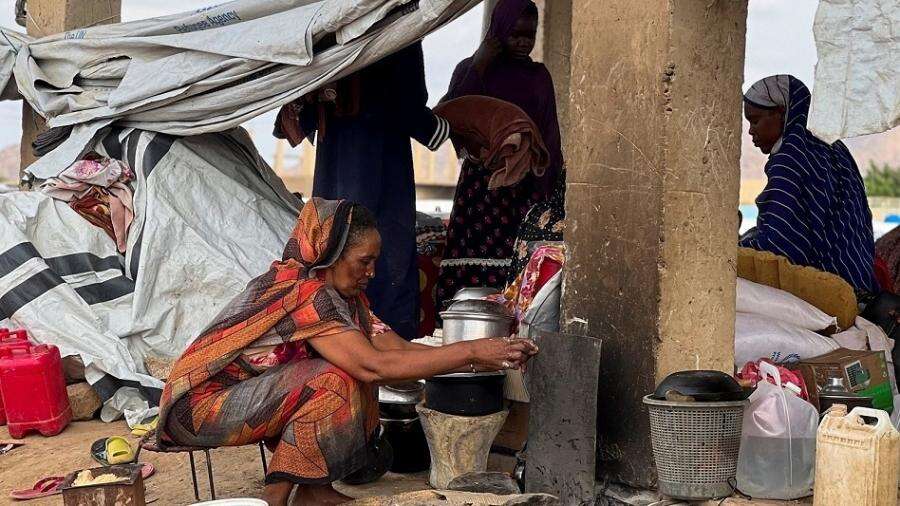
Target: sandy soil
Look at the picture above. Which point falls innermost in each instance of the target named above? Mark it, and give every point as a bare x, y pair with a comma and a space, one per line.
237, 471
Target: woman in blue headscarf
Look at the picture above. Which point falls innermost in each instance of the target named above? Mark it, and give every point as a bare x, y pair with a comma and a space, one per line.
813, 209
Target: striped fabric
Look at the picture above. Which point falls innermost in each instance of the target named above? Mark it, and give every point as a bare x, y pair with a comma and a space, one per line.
441, 133
813, 209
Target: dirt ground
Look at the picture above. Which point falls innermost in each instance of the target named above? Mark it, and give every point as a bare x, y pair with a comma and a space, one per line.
237, 471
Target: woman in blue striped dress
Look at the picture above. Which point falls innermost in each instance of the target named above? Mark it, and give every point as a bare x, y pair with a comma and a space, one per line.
813, 209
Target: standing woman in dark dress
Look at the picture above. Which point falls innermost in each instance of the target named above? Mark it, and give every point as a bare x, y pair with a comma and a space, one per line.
363, 154
484, 223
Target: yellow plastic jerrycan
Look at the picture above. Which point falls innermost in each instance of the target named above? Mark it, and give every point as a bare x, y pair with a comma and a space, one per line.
856, 463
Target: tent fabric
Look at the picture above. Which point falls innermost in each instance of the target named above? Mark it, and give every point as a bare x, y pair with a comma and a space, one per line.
208, 70
209, 216
857, 80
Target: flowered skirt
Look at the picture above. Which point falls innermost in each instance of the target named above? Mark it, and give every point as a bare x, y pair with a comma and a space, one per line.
318, 418
482, 232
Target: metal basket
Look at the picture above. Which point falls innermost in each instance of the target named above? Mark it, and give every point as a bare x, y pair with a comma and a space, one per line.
695, 445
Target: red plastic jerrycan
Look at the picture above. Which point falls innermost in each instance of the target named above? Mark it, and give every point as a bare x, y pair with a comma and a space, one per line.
8, 340
34, 390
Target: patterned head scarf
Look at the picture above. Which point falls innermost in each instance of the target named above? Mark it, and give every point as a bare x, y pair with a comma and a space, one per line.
320, 235
771, 93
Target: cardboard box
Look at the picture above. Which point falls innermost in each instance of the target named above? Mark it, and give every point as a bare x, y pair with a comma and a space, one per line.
864, 372
514, 433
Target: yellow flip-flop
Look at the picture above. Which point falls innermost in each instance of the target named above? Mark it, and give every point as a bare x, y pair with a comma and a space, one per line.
119, 451
112, 450
142, 429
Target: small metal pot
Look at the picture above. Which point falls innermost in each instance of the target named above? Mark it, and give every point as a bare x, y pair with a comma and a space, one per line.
466, 394
468, 320
834, 392
398, 402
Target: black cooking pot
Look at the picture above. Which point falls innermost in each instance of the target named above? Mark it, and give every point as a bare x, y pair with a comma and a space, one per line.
465, 394
703, 386
407, 438
379, 458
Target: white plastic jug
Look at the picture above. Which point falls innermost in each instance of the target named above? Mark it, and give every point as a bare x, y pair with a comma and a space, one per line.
857, 464
778, 442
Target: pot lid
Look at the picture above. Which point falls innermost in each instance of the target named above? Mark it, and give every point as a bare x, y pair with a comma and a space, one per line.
474, 292
470, 374
478, 307
709, 385
401, 393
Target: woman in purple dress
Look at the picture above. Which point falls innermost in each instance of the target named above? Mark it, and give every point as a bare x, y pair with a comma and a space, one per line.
484, 223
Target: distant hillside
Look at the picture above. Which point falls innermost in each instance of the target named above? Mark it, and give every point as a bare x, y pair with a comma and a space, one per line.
9, 163
883, 148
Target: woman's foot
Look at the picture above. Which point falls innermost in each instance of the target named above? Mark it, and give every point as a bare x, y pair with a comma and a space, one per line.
319, 495
277, 494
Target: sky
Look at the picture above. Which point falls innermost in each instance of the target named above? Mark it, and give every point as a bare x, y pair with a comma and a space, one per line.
779, 40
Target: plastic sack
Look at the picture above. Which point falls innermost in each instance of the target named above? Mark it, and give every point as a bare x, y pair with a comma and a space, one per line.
754, 298
793, 380
129, 403
778, 442
757, 337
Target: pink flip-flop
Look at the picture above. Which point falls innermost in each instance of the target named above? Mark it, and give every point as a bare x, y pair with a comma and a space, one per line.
43, 488
147, 470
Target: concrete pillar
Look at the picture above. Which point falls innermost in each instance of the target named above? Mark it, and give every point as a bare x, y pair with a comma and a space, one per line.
653, 151
46, 17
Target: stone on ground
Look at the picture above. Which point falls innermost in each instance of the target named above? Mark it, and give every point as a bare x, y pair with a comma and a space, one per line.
485, 483
83, 400
453, 498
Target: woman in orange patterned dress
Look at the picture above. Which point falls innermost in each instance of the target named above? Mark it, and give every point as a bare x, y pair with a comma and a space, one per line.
295, 358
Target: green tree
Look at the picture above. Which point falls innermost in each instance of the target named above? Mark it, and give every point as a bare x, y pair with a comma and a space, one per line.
882, 181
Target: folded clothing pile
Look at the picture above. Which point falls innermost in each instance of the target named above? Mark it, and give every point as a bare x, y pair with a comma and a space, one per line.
97, 189
498, 135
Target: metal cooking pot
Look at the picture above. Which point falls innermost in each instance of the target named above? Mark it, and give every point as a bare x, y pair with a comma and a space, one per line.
703, 386
399, 401
834, 392
410, 446
468, 320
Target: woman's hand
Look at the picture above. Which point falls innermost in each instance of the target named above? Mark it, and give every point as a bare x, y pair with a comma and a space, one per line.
498, 353
487, 52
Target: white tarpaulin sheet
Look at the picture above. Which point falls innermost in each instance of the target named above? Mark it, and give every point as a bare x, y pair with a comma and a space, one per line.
208, 70
209, 216
857, 87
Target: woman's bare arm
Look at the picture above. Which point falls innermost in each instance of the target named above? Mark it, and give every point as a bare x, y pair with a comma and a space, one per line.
356, 355
389, 341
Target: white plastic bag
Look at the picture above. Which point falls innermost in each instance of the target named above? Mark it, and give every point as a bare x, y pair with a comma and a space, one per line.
778, 442
754, 298
757, 337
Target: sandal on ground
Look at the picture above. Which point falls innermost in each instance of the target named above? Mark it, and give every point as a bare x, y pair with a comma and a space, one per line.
43, 488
